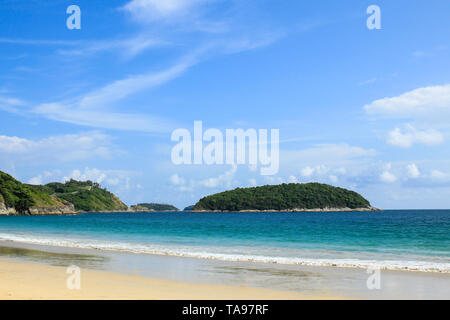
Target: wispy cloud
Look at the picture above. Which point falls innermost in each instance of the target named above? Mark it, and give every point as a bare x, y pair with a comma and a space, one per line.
129, 48
103, 107
122, 88
37, 42
430, 53
150, 10
10, 104
103, 118
95, 108
368, 82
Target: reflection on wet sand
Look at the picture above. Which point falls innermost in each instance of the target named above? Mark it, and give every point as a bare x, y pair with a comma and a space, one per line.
54, 258
268, 271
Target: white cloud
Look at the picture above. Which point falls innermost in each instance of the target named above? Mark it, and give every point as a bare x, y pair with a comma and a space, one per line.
35, 180
413, 171
224, 179
94, 175
317, 170
334, 179
410, 136
422, 102
328, 163
388, 177
322, 173
439, 175
327, 154
151, 10
175, 179
64, 148
307, 171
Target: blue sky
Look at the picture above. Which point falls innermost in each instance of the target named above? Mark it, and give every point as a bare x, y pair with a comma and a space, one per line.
363, 109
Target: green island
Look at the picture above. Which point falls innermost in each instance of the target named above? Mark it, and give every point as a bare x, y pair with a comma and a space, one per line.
285, 197
154, 207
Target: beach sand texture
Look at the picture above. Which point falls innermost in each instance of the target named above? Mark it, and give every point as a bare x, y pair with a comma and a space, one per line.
25, 281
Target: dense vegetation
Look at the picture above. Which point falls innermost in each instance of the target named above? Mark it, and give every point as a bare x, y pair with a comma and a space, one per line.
158, 207
283, 197
22, 197
15, 194
189, 208
86, 196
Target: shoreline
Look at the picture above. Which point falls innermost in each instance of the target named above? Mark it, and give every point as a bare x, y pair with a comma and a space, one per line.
372, 209
31, 281
193, 278
384, 265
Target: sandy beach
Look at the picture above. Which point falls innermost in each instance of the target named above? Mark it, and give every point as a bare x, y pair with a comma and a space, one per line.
25, 281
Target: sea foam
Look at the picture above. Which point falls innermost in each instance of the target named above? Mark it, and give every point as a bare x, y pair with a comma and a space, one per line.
232, 254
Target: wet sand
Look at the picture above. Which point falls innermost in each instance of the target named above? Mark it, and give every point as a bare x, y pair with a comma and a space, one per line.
137, 275
26, 281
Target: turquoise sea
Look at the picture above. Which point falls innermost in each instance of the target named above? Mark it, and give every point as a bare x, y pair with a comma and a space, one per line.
416, 240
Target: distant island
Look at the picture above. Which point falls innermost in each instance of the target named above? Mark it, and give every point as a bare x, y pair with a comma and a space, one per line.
294, 197
154, 207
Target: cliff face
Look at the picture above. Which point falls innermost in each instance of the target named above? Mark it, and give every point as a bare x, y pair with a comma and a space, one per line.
4, 209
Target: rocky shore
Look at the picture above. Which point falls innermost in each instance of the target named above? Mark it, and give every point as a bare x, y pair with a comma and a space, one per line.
368, 209
61, 210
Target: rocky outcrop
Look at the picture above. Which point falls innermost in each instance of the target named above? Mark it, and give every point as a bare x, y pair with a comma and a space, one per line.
66, 209
56, 210
5, 210
138, 208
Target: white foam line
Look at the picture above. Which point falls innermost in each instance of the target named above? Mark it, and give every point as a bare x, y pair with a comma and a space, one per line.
422, 266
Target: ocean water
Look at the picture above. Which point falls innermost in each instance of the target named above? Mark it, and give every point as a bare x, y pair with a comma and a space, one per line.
415, 240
